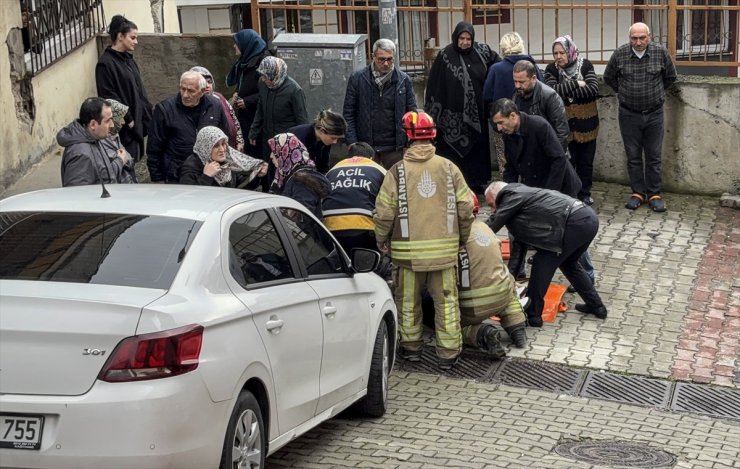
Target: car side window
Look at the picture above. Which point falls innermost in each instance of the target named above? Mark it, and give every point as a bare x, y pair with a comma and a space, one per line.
319, 252
256, 253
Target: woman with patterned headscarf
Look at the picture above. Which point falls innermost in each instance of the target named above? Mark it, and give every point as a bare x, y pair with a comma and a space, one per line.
295, 174
574, 79
214, 162
281, 104
454, 98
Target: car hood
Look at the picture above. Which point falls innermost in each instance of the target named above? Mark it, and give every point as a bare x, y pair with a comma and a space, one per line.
55, 337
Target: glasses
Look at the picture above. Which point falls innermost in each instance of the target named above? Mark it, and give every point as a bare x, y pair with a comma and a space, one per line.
384, 60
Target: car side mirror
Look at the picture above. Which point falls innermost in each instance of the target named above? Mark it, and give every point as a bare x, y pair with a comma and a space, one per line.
365, 260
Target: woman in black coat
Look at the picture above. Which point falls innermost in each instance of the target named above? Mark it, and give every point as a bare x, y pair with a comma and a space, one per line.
251, 49
117, 77
213, 162
327, 128
454, 99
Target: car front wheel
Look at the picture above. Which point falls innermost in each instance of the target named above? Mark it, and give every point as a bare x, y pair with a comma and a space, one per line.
244, 445
375, 402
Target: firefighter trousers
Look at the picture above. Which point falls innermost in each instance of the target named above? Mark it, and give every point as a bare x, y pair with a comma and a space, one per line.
442, 287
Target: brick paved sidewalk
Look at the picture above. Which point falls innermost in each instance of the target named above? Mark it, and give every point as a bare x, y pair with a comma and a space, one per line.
670, 282
434, 421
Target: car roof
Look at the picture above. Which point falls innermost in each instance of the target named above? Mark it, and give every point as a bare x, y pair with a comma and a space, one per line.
174, 200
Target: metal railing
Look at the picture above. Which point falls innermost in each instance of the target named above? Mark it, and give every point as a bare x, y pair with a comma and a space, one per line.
697, 33
54, 28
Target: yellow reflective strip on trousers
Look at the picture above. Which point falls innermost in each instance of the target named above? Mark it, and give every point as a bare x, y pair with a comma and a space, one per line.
408, 330
450, 336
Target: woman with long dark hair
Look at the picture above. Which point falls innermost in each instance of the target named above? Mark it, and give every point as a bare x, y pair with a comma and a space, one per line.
117, 77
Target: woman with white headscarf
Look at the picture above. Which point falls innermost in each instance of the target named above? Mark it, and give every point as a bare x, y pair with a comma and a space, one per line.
214, 162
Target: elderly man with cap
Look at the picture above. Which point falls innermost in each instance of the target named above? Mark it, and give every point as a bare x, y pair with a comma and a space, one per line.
560, 228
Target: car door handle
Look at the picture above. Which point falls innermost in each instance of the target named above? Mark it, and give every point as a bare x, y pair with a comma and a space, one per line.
329, 310
274, 325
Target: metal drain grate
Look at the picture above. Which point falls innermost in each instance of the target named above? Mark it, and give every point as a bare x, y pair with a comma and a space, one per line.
707, 400
615, 453
538, 375
627, 389
471, 365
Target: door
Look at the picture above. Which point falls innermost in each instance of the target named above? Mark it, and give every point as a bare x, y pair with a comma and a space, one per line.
286, 313
344, 303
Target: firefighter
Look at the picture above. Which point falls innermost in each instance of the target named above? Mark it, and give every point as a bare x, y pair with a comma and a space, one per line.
486, 288
423, 217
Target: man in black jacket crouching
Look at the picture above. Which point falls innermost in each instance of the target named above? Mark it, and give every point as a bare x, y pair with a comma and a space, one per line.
560, 228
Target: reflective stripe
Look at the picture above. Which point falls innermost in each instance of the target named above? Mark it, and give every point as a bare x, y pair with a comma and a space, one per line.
403, 201
408, 331
349, 222
348, 211
449, 337
427, 249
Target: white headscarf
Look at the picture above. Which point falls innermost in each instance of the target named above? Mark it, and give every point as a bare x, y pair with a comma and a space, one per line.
207, 138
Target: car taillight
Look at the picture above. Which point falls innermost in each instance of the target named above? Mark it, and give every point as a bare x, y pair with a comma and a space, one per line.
153, 356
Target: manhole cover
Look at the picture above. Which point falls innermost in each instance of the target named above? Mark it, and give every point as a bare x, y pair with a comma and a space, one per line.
615, 453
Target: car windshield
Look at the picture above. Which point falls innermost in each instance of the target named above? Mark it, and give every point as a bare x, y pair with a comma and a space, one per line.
99, 248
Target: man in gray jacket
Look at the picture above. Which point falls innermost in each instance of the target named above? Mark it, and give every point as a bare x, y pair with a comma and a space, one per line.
537, 99
91, 156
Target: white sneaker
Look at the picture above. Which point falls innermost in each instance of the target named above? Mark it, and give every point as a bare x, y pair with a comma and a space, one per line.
524, 302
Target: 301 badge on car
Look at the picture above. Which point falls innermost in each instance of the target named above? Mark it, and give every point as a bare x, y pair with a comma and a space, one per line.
21, 431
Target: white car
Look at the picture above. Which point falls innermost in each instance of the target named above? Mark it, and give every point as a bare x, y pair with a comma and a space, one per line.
179, 326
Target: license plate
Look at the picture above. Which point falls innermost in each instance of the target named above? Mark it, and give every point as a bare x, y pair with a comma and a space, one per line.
21, 431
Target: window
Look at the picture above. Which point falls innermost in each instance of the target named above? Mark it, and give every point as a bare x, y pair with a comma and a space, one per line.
98, 248
54, 28
491, 15
702, 31
318, 251
256, 253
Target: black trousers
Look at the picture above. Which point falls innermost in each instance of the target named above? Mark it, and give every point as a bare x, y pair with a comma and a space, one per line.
580, 230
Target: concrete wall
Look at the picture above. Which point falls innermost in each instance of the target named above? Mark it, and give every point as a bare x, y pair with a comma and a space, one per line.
701, 147
702, 139
56, 94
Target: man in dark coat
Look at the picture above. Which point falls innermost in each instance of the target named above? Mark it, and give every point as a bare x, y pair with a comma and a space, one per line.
91, 156
560, 228
175, 125
377, 98
535, 157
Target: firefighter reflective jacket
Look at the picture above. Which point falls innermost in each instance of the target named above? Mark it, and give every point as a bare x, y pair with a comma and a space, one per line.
423, 211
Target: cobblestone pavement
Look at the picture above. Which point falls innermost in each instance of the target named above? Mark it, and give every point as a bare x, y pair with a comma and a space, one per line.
434, 421
671, 284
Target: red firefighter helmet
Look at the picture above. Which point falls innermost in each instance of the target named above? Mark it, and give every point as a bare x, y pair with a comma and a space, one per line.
476, 204
418, 125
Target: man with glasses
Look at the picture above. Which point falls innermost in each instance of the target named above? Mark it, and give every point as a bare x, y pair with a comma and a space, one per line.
377, 98
640, 72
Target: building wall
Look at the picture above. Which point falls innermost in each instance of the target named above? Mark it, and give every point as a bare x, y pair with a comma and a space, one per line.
700, 152
139, 11
55, 95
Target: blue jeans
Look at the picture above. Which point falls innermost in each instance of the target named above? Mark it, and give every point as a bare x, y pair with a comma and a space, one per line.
643, 132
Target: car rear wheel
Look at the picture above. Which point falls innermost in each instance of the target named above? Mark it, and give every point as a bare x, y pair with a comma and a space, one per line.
244, 445
375, 403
